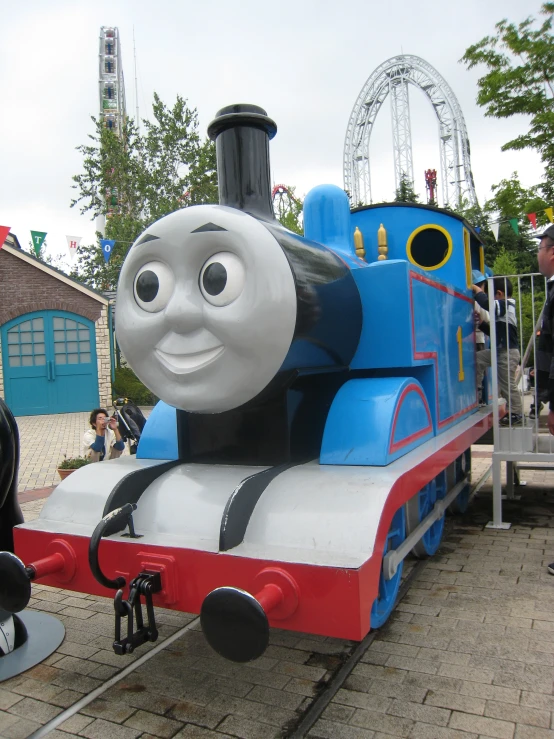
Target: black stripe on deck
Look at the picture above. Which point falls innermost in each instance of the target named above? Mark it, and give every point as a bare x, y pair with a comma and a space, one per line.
130, 488
241, 504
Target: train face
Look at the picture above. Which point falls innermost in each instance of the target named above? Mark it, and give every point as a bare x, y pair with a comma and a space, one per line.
318, 412
206, 308
218, 303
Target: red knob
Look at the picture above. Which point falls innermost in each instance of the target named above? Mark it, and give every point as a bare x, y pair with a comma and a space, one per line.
270, 597
60, 560
46, 566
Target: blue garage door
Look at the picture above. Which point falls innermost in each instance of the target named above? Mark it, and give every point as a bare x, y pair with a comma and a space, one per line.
49, 361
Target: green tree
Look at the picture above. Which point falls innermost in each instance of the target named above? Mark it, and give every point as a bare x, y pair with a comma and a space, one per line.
42, 251
288, 211
512, 201
479, 220
528, 315
136, 178
405, 192
505, 263
52, 261
519, 60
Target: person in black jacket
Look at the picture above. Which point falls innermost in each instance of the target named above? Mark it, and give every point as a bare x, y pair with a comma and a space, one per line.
507, 345
545, 345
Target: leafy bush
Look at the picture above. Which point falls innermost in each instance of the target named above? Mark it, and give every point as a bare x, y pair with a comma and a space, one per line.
127, 385
73, 463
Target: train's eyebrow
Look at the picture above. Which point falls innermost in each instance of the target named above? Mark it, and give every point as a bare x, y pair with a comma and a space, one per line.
147, 237
208, 227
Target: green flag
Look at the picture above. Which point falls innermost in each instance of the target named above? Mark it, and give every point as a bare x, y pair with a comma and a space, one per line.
38, 240
513, 224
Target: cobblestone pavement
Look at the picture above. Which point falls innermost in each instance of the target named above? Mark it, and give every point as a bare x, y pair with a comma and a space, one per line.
468, 654
45, 441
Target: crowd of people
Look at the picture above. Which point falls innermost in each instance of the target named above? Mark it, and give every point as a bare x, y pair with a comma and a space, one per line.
507, 342
545, 349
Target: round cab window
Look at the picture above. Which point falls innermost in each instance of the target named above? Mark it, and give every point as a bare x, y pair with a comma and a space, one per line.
429, 247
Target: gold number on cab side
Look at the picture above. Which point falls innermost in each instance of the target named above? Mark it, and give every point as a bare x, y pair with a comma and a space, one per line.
460, 354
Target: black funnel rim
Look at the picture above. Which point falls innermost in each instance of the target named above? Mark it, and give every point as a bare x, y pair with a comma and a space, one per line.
241, 115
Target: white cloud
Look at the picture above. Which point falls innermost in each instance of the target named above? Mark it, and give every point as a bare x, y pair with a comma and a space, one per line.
304, 61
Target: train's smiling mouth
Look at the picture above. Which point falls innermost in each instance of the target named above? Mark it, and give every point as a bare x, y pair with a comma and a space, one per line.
182, 363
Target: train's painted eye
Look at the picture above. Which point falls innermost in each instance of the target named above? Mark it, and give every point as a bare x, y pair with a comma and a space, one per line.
153, 286
222, 279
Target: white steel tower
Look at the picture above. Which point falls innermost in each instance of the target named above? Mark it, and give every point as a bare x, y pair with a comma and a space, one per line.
112, 86
112, 99
393, 77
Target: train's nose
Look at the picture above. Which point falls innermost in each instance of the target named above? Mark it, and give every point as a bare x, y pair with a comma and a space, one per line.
236, 623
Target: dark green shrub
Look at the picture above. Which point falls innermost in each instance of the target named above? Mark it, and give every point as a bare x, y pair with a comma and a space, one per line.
127, 385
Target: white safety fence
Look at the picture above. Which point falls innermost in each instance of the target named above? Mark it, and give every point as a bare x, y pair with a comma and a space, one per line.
524, 443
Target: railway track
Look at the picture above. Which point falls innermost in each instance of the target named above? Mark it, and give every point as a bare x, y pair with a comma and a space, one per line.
307, 720
304, 722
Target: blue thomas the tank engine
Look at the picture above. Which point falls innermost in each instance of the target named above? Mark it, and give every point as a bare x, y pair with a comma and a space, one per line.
318, 407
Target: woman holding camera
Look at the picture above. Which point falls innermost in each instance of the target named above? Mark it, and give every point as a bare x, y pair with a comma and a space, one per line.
103, 440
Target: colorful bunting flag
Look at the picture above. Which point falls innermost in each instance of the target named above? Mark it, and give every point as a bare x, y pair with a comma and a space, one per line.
4, 231
73, 244
514, 222
37, 238
107, 248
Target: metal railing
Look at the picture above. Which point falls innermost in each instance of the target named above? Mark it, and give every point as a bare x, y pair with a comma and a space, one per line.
521, 442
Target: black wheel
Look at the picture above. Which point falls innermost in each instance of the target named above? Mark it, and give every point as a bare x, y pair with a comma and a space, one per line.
461, 470
418, 508
388, 589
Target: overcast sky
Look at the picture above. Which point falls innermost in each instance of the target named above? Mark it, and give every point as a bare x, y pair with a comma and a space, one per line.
304, 61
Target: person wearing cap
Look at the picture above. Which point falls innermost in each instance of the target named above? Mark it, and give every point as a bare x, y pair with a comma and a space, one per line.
481, 315
545, 346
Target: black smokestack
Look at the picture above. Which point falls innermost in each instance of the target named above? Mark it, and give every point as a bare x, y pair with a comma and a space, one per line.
242, 134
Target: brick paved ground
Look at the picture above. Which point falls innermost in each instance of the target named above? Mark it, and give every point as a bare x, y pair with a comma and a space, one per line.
470, 650
45, 440
469, 653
